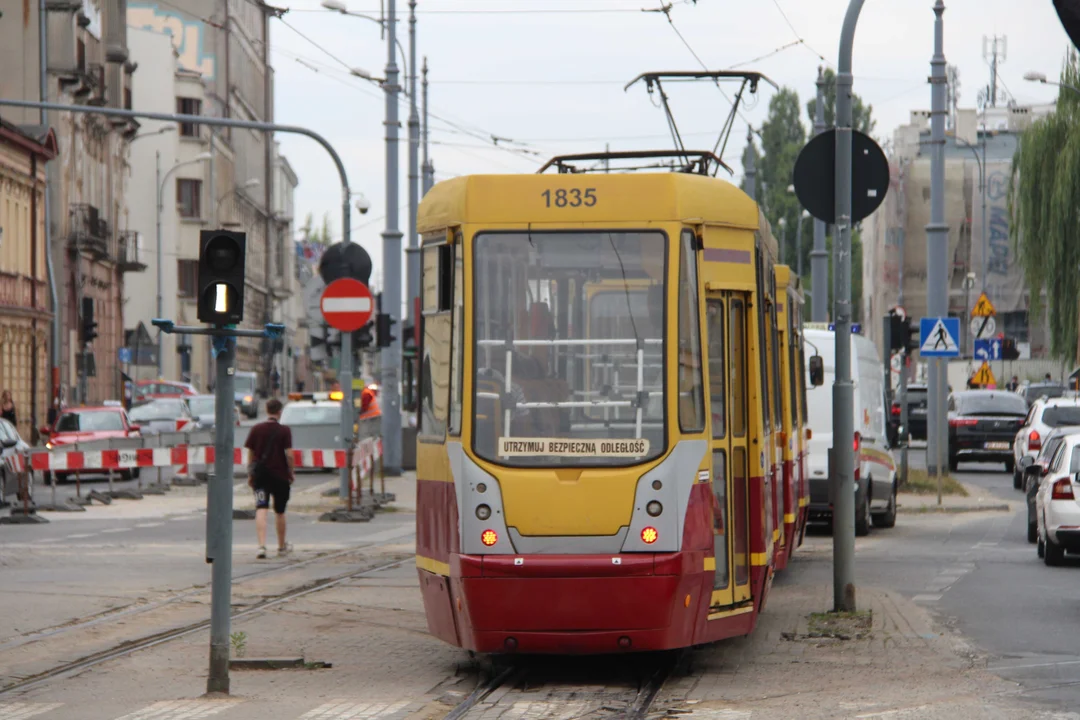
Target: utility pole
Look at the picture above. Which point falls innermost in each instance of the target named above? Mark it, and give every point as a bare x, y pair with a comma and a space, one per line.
937, 243
390, 356
994, 51
219, 517
798, 245
750, 179
428, 168
819, 258
843, 389
51, 175
413, 253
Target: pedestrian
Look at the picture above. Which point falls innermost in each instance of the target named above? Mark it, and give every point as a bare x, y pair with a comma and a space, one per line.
1047, 378
271, 472
7, 408
1014, 384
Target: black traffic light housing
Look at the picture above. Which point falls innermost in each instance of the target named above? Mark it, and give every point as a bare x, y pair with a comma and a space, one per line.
221, 276
897, 331
89, 326
383, 325
910, 336
362, 337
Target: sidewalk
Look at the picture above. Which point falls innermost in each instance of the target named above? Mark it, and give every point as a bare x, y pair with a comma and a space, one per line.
978, 500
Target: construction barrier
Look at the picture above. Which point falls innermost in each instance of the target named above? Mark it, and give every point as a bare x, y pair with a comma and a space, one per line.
105, 460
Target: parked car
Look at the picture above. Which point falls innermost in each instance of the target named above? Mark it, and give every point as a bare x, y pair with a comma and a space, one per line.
161, 415
874, 465
916, 403
11, 443
1043, 415
983, 425
1057, 512
147, 390
244, 388
203, 409
1034, 469
87, 424
1033, 391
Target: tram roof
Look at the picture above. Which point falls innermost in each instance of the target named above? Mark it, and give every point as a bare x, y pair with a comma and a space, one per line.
620, 198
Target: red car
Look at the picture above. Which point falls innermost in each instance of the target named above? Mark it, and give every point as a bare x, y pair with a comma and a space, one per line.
87, 424
146, 390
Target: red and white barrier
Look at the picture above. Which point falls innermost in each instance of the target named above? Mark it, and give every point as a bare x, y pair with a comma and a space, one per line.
15, 463
103, 460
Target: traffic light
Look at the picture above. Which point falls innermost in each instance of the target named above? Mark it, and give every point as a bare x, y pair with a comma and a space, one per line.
362, 337
897, 331
221, 276
89, 327
383, 324
910, 333
1008, 349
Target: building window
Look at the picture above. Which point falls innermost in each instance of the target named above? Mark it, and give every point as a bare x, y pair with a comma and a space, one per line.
189, 198
188, 106
127, 98
187, 274
279, 255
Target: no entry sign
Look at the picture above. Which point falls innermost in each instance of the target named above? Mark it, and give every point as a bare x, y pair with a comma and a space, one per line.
346, 304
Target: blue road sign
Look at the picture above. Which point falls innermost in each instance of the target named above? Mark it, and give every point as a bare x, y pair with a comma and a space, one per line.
938, 337
125, 355
988, 349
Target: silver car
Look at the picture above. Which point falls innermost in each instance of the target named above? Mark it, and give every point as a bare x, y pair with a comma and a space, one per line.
203, 409
160, 415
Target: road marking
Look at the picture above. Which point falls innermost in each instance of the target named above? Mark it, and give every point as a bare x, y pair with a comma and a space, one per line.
116, 530
926, 598
181, 710
49, 540
81, 535
21, 711
348, 710
149, 525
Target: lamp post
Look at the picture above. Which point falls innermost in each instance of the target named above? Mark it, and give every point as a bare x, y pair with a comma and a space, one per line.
161, 181
253, 182
1035, 76
782, 222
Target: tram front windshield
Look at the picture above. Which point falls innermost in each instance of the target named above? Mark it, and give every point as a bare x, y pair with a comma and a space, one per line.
569, 354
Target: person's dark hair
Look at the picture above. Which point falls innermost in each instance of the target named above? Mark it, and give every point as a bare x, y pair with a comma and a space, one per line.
273, 406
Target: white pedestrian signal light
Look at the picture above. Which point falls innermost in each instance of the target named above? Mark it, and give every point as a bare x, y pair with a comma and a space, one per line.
221, 276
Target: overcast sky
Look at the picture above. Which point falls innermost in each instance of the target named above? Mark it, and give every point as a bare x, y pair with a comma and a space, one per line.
552, 81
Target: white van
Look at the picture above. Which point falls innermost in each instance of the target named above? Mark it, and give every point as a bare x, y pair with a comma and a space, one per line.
875, 469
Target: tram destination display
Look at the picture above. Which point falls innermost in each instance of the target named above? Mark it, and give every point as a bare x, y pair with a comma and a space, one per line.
528, 447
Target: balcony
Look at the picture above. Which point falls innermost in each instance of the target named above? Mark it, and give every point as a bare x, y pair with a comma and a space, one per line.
89, 231
128, 258
20, 291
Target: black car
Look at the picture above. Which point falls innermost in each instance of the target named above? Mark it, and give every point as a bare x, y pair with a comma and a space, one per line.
1034, 469
1034, 391
916, 405
983, 425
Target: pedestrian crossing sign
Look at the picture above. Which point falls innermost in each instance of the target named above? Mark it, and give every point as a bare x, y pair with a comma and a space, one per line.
984, 376
983, 307
937, 337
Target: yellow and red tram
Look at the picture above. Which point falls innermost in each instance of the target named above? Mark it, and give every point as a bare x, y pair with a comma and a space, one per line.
605, 396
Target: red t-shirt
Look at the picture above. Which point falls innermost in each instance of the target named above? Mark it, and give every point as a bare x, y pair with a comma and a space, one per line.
281, 438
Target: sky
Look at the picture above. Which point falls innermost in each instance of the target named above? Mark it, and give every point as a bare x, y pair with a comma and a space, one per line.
547, 77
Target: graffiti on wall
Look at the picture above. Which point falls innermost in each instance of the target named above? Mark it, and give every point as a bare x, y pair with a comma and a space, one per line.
193, 44
1004, 275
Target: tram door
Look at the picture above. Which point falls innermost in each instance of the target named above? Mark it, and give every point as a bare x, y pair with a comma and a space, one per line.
728, 393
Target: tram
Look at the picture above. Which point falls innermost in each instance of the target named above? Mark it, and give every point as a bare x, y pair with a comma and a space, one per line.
609, 418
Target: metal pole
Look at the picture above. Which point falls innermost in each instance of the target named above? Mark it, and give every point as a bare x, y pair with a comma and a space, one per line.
983, 177
819, 257
428, 168
798, 246
750, 181
391, 356
413, 255
50, 172
937, 238
783, 243
219, 522
843, 389
157, 261
905, 434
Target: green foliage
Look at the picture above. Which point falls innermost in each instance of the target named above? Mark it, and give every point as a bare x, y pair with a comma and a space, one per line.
862, 115
1044, 202
782, 137
309, 234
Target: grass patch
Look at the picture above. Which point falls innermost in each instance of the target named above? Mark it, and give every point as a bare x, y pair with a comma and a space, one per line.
920, 483
840, 625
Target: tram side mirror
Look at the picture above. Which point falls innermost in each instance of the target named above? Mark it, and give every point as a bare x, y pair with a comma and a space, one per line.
817, 371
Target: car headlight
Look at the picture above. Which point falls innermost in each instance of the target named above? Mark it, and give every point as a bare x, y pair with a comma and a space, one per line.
48, 446
247, 398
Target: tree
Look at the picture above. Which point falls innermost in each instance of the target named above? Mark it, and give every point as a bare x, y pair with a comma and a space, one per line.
782, 137
862, 115
321, 236
1044, 203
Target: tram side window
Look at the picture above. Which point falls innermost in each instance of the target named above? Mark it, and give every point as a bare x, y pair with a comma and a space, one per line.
435, 373
717, 368
738, 368
762, 349
458, 348
691, 385
792, 381
778, 395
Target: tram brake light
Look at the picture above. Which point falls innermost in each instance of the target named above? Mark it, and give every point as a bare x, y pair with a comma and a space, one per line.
649, 535
489, 537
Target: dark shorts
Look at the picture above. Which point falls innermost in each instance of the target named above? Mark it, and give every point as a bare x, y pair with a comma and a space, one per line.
276, 489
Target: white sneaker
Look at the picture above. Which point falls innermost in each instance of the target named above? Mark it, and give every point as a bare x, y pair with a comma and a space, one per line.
283, 551
262, 553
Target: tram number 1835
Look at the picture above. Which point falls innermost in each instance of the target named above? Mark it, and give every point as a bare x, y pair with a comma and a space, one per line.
572, 197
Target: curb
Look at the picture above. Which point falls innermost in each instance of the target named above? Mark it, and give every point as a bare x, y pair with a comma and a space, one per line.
955, 509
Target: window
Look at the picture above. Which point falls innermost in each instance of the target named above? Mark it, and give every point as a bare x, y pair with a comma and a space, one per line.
774, 340
691, 385
738, 368
717, 369
188, 106
187, 277
766, 415
793, 383
189, 198
458, 335
435, 370
1074, 462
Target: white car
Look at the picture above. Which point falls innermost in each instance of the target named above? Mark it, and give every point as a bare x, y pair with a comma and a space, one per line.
1044, 415
1057, 510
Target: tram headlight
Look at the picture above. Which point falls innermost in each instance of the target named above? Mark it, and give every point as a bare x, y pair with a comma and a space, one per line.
654, 508
649, 535
489, 537
483, 512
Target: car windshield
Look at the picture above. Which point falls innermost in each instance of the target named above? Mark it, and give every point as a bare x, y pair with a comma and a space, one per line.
916, 396
89, 422
1062, 415
997, 403
569, 332
201, 406
244, 384
311, 415
162, 409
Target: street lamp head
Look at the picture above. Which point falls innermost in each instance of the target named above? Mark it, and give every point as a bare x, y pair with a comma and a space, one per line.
782, 222
202, 156
253, 182
791, 189
805, 214
335, 5
1033, 76
365, 75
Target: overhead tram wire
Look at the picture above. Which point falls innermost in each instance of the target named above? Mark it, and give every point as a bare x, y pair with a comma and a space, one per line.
787, 20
